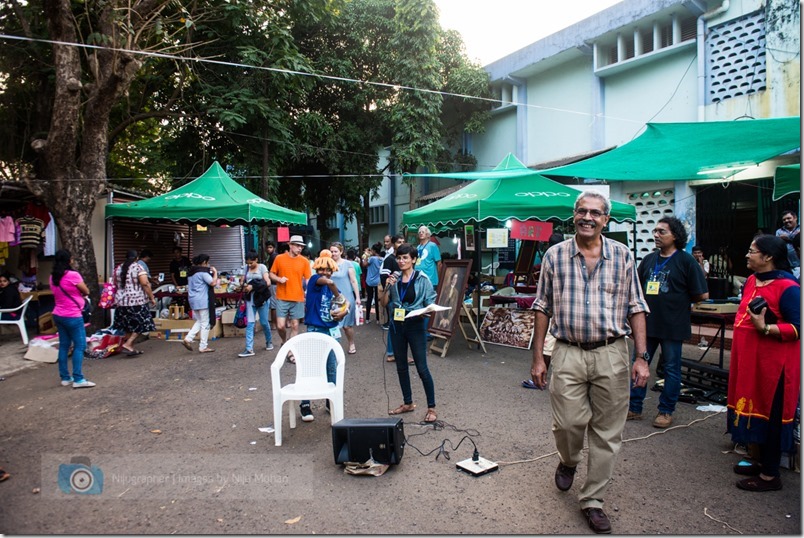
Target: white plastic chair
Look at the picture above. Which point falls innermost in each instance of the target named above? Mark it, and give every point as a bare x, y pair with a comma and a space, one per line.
18, 322
164, 302
311, 351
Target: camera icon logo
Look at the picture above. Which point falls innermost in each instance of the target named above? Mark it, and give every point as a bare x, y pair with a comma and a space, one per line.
79, 476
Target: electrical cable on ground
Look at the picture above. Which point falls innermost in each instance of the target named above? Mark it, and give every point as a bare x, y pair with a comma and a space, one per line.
706, 513
660, 432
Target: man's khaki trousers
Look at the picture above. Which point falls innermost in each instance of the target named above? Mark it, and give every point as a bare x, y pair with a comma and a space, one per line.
589, 392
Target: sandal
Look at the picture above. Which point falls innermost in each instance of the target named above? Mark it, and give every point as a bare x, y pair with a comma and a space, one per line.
430, 416
206, 350
187, 345
291, 358
404, 408
4, 475
411, 361
389, 358
352, 350
747, 468
131, 352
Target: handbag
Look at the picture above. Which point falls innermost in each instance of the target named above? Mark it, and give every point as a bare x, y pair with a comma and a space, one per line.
757, 304
241, 319
107, 294
86, 310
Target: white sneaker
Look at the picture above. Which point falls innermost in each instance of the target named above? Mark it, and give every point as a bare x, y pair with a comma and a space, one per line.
66, 382
83, 384
246, 353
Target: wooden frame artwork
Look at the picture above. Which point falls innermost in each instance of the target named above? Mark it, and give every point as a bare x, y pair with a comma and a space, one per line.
469, 237
451, 285
508, 327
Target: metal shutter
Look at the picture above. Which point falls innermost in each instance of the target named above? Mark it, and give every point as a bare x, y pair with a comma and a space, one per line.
224, 246
157, 237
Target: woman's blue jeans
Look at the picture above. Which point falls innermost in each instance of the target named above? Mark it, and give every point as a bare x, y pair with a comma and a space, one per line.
71, 331
671, 357
265, 317
413, 333
332, 361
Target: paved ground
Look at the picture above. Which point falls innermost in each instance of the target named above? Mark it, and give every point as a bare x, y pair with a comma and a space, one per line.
176, 437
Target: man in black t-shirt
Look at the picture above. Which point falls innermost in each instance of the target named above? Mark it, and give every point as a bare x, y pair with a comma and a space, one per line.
179, 268
671, 279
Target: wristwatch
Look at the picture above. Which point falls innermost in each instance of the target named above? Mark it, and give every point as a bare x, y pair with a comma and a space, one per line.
644, 356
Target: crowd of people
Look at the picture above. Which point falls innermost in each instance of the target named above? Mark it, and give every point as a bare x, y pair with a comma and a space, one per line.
596, 381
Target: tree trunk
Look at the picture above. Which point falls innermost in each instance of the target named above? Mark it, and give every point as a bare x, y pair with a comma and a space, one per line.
71, 173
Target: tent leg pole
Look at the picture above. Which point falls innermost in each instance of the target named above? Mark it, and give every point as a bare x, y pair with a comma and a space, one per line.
478, 266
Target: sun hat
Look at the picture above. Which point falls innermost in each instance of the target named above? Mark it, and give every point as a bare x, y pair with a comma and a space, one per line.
296, 240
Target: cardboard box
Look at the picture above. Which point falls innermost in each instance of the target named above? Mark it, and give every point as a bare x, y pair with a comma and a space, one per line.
230, 330
43, 350
715, 308
46, 324
177, 329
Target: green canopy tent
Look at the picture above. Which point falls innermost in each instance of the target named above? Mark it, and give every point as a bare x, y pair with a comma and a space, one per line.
510, 191
689, 151
212, 199
786, 180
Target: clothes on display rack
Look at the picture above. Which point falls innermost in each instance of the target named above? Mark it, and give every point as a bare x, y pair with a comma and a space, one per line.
31, 231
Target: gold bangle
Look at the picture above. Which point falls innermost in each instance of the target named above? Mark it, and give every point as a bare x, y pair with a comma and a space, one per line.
766, 330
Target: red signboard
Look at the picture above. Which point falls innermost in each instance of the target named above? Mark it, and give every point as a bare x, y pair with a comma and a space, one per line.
531, 230
282, 234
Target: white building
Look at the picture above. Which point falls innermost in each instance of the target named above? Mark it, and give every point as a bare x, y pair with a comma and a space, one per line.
594, 86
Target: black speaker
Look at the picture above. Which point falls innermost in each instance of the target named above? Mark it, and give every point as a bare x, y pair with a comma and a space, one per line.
358, 439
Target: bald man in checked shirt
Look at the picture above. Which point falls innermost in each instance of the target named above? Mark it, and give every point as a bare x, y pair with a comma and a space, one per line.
589, 286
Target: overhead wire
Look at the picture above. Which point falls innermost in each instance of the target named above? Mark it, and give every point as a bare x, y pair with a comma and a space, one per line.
308, 74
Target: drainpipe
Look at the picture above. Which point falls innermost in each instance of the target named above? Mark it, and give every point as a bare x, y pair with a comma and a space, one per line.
686, 211
521, 116
392, 204
701, 43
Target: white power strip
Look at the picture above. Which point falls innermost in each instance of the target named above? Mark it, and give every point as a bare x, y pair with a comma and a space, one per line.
477, 468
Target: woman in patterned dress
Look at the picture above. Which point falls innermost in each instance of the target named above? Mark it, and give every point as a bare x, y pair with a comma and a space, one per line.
134, 295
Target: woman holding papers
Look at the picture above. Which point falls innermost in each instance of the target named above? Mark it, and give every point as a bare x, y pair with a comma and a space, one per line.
406, 291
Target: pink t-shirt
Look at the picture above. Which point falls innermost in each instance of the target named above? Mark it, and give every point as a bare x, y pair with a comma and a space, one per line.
64, 306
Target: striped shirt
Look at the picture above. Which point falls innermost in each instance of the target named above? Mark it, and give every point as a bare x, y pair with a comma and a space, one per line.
589, 306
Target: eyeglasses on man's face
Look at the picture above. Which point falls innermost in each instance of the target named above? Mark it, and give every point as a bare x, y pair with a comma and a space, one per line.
594, 213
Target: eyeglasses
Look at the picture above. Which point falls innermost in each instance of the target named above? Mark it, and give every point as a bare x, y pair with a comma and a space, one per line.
661, 231
594, 213
753, 251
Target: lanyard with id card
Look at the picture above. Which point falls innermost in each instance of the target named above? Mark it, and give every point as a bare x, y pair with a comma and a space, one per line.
399, 313
653, 285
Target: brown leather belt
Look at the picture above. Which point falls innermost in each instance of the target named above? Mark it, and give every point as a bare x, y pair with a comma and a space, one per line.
586, 346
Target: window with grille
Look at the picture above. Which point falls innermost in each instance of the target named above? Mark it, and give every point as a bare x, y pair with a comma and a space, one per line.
378, 214
650, 207
736, 58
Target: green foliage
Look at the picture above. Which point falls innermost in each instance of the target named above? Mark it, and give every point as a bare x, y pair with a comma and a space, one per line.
176, 117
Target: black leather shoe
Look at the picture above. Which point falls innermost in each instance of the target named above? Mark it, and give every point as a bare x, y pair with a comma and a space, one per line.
564, 476
598, 520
